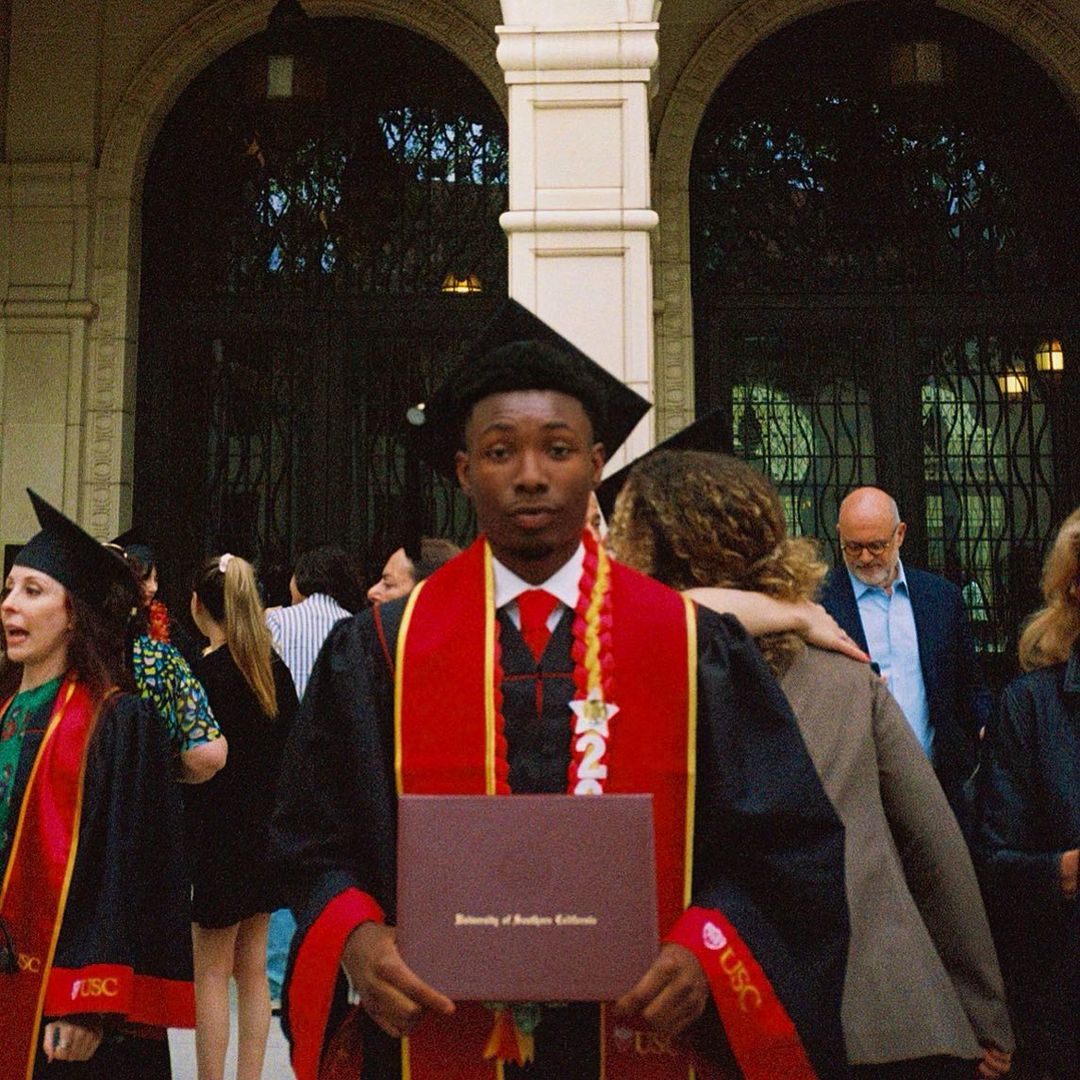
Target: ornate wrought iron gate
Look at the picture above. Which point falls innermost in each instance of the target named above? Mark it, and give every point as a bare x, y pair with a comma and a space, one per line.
293, 304
878, 280
973, 441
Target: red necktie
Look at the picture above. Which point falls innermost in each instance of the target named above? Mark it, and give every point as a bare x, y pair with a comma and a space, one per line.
534, 607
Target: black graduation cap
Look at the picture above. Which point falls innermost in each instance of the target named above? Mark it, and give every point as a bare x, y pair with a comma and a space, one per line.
711, 432
617, 409
129, 537
133, 543
83, 565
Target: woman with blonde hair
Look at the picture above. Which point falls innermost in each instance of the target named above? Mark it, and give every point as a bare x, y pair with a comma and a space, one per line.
253, 699
922, 994
1028, 829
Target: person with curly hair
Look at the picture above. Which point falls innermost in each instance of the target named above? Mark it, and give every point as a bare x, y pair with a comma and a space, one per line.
95, 957
923, 996
1028, 823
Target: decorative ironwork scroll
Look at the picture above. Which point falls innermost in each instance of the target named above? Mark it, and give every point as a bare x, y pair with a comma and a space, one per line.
293, 256
873, 272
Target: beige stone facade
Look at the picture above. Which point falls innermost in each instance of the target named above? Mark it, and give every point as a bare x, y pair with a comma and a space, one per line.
603, 100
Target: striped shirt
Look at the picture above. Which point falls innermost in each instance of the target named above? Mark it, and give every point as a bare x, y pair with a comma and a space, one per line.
299, 632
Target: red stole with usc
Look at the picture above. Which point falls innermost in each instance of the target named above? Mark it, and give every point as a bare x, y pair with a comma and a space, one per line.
38, 874
40, 865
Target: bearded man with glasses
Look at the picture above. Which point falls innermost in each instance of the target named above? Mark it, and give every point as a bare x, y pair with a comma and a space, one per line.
915, 627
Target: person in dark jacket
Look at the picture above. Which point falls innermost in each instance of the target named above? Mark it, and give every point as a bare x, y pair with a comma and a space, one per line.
915, 627
1028, 828
924, 999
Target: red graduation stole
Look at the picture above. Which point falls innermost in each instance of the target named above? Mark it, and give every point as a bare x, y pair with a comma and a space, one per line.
449, 622
32, 903
38, 874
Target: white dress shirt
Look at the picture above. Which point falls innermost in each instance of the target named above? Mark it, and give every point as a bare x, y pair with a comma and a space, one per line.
563, 585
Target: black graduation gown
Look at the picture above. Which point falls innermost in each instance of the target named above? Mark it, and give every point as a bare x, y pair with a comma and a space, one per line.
128, 900
768, 847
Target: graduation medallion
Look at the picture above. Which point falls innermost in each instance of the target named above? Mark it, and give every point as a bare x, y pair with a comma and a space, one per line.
590, 744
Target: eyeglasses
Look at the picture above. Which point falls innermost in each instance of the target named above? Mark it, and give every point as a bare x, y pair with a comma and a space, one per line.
875, 547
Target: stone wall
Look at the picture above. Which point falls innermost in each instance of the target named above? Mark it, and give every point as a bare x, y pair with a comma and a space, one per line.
86, 84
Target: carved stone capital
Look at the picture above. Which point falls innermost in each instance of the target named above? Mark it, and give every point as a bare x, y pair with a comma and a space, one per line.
580, 13
579, 220
626, 53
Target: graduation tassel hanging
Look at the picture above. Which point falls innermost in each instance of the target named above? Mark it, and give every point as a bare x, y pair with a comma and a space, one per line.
511, 1039
592, 707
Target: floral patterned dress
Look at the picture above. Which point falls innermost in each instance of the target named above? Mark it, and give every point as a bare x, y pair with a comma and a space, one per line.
164, 679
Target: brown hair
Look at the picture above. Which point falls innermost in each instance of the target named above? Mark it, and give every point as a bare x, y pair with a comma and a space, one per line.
435, 551
694, 519
97, 648
231, 596
1052, 631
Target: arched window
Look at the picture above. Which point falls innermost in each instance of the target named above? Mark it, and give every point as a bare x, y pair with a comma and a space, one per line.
315, 254
885, 218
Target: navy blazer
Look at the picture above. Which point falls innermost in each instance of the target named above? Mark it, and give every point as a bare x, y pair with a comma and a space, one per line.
958, 700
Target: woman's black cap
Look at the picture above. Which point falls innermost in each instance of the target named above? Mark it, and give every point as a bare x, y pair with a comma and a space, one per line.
64, 551
711, 432
132, 542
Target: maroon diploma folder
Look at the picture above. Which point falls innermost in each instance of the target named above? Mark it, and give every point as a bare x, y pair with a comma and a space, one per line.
527, 897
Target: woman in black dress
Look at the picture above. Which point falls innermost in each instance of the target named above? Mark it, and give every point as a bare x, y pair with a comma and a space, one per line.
253, 699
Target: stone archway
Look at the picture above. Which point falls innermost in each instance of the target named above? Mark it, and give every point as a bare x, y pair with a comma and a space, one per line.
1035, 27
111, 361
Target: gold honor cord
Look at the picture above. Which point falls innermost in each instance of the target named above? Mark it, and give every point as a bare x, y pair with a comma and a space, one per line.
490, 712
399, 682
691, 747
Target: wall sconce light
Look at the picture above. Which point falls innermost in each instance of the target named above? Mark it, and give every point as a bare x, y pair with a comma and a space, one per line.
1013, 384
919, 55
290, 66
1050, 356
920, 64
461, 283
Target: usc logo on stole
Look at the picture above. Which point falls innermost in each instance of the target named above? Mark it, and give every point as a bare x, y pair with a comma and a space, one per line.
95, 987
742, 984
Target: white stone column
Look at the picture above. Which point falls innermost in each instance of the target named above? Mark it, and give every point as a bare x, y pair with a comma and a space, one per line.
579, 217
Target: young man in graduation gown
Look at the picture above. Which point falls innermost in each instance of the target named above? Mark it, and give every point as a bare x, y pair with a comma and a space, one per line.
455, 691
95, 948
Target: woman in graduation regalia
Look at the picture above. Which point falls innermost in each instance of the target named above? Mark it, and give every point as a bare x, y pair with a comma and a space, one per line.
95, 956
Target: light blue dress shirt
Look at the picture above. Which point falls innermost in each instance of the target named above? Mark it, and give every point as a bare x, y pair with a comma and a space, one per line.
889, 624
